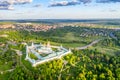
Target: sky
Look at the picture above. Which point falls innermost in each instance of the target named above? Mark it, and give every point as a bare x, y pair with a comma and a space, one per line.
59, 9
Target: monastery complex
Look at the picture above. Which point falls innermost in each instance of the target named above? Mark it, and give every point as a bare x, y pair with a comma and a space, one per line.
44, 53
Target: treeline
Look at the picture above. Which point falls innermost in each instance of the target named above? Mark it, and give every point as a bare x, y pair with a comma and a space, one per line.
117, 34
108, 43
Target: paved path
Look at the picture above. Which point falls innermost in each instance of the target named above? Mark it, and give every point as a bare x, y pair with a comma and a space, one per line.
10, 70
5, 49
64, 64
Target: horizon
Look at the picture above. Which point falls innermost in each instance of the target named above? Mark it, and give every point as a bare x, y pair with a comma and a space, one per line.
63, 19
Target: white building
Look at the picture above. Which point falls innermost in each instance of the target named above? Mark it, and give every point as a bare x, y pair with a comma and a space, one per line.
38, 50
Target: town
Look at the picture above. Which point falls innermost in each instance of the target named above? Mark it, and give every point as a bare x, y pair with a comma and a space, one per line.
28, 26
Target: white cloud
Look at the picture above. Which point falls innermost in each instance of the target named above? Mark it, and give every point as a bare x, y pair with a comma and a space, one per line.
8, 4
55, 3
37, 5
22, 1
64, 3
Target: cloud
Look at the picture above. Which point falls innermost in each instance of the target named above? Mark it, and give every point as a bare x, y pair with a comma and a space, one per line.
85, 1
107, 1
22, 1
65, 3
4, 5
112, 10
8, 4
37, 5
68, 3
78, 2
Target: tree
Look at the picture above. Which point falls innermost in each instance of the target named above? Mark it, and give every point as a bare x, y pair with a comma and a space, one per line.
102, 76
81, 76
117, 71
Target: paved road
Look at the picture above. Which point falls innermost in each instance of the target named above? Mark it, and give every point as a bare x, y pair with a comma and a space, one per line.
89, 45
113, 36
94, 42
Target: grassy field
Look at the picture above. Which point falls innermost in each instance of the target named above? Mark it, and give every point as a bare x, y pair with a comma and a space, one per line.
111, 51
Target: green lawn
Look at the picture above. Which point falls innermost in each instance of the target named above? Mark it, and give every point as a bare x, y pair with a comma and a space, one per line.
5, 76
4, 67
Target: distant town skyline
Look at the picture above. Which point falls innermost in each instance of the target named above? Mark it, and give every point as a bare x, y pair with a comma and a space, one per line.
59, 9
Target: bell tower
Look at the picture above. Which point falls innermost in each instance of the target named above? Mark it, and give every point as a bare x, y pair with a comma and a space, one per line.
48, 44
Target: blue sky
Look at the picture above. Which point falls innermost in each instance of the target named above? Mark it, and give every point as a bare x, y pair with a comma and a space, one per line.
59, 9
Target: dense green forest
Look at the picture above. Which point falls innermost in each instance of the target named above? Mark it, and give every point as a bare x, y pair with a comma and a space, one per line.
80, 65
